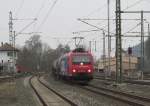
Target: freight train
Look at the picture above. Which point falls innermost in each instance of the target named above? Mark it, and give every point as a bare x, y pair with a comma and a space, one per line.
76, 65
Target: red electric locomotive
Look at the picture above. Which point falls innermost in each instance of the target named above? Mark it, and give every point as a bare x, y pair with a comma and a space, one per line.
75, 65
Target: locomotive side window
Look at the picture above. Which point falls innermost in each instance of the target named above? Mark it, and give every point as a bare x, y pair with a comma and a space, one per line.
77, 59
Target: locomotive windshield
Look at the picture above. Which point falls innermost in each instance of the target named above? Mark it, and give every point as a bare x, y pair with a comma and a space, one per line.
85, 59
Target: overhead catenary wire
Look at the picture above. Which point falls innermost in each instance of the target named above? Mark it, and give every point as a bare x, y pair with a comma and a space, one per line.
110, 19
23, 19
40, 9
38, 13
133, 28
84, 31
19, 8
78, 32
124, 9
130, 6
70, 41
45, 18
98, 9
93, 26
60, 38
26, 26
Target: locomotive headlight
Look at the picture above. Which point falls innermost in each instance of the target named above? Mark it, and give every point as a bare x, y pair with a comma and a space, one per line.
89, 71
74, 70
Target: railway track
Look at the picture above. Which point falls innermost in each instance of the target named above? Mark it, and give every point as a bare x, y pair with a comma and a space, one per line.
126, 81
37, 93
127, 98
120, 96
52, 90
60, 95
124, 97
138, 82
6, 78
9, 77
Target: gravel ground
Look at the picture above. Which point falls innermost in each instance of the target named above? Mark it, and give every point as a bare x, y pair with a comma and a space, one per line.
141, 90
14, 93
80, 96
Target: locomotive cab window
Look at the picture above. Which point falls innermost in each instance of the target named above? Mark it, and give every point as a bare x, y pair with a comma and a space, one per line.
77, 59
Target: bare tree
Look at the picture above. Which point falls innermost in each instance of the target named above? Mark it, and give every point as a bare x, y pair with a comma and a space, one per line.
38, 56
30, 55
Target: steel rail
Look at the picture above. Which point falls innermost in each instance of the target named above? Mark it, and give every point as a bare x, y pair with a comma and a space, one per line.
7, 78
122, 93
36, 92
58, 94
112, 96
126, 81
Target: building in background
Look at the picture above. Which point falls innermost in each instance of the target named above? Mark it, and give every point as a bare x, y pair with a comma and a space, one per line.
8, 57
129, 64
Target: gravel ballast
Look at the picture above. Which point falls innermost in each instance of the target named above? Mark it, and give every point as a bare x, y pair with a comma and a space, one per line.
81, 96
14, 93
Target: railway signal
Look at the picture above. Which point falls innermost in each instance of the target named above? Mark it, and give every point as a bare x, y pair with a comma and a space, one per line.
130, 53
130, 50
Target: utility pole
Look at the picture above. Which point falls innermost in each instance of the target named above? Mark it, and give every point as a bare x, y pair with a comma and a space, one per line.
104, 53
142, 35
14, 54
118, 43
129, 53
90, 46
12, 36
95, 46
148, 30
10, 29
92, 43
142, 41
109, 38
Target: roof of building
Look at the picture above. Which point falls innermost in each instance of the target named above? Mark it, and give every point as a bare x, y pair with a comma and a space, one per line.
7, 47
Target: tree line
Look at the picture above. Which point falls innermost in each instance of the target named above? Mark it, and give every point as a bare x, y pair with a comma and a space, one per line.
38, 56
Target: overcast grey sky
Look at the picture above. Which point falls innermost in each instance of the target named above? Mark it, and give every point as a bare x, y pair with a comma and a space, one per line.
61, 21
